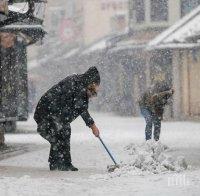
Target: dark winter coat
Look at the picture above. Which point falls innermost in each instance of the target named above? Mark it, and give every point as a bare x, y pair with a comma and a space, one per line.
68, 99
155, 98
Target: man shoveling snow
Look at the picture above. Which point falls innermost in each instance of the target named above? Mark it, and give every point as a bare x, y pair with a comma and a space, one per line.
58, 107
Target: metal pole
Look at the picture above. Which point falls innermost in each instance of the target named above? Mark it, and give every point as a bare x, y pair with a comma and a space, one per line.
107, 150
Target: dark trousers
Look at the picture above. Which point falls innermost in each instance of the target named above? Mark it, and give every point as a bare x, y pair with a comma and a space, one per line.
58, 135
151, 119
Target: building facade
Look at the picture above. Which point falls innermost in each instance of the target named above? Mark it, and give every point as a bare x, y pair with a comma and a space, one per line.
148, 14
170, 63
138, 67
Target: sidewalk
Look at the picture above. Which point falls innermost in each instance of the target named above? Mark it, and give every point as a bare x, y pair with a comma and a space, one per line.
28, 126
15, 147
12, 150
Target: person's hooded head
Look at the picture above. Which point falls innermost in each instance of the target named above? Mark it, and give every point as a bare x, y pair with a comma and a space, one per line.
91, 80
161, 86
91, 76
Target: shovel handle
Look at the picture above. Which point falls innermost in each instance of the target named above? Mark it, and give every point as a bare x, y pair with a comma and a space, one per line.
107, 150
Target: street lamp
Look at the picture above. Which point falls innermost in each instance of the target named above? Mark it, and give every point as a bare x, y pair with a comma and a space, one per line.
35, 7
18, 10
4, 6
24, 20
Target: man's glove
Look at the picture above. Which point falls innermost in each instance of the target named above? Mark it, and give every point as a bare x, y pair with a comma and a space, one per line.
95, 130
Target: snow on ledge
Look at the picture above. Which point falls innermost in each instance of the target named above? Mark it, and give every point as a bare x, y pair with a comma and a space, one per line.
186, 27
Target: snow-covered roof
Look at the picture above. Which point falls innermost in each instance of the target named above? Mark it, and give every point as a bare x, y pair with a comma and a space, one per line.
128, 47
71, 53
100, 45
188, 26
105, 42
22, 26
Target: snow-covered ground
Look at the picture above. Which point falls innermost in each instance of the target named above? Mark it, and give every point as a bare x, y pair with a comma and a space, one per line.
28, 174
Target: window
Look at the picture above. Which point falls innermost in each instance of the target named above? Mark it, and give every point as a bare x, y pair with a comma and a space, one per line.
188, 5
159, 10
139, 8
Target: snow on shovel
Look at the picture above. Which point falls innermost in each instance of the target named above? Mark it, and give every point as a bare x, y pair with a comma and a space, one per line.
110, 168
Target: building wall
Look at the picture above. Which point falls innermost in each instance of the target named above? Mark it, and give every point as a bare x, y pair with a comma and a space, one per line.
177, 63
183, 70
184, 67
52, 8
100, 18
185, 108
194, 84
186, 74
95, 18
174, 11
64, 19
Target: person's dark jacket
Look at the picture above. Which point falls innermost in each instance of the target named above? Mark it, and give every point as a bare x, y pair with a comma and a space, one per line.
155, 98
68, 99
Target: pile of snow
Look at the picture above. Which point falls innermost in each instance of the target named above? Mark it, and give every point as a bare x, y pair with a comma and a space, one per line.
153, 157
148, 158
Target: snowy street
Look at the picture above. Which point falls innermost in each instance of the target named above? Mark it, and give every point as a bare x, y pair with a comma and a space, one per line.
99, 77
28, 174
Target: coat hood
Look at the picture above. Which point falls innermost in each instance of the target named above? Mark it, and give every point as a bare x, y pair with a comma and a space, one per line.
91, 76
162, 86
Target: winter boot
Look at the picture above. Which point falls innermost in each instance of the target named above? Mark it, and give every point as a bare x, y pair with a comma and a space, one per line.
72, 168
53, 166
67, 167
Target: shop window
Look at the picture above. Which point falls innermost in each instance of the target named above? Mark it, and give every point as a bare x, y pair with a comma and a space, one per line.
139, 8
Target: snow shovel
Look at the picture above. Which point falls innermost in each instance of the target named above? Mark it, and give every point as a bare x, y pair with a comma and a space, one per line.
110, 168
